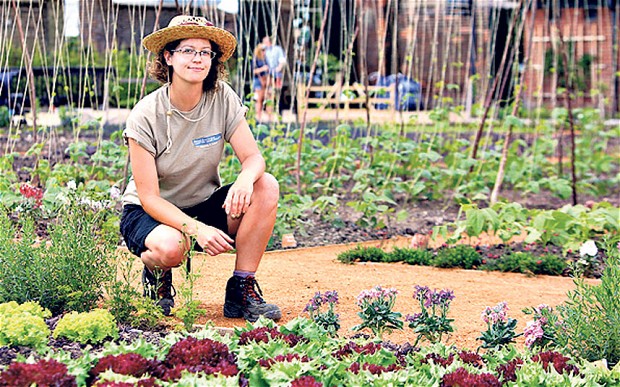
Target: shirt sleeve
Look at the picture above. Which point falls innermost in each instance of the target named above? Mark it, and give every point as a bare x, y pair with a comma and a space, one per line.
140, 129
235, 111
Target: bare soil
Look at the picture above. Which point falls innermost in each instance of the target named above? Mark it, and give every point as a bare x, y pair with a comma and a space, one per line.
290, 278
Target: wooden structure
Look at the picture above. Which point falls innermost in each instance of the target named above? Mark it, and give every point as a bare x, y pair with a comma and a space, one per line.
344, 98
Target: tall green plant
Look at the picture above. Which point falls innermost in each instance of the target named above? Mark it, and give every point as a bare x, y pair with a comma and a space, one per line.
66, 272
591, 316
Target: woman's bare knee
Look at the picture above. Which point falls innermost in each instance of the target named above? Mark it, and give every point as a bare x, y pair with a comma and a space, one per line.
267, 189
165, 247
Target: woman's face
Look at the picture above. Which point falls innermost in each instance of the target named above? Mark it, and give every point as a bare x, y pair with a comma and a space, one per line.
191, 60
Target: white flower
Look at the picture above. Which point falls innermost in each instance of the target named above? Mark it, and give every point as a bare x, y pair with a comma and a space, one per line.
588, 248
71, 185
115, 193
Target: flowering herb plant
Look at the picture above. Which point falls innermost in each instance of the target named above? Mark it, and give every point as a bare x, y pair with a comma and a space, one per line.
500, 328
542, 331
432, 322
321, 309
377, 314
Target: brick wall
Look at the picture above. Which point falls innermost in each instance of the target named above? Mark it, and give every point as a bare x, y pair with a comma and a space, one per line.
587, 38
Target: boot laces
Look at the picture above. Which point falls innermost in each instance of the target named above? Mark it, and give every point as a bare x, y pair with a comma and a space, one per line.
252, 290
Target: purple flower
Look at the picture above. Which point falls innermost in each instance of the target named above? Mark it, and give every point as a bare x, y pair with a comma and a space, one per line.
430, 298
446, 295
330, 297
420, 292
410, 318
314, 303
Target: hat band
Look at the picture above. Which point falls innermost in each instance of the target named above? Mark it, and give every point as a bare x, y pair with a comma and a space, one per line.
190, 23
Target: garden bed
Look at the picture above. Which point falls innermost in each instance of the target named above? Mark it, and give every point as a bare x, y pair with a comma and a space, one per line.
290, 279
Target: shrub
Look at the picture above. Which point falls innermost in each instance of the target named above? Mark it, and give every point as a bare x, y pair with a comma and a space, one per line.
516, 262
550, 265
457, 256
419, 257
591, 322
528, 263
23, 325
362, 254
63, 274
89, 327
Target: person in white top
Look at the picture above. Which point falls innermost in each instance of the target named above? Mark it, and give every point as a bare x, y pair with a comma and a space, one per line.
175, 200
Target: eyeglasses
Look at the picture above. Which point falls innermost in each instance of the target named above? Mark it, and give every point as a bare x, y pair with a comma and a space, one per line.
191, 53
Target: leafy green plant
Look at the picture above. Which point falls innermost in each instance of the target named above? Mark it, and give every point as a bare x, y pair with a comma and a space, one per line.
591, 318
125, 303
377, 314
362, 254
421, 257
189, 311
432, 322
87, 327
23, 324
457, 256
568, 226
5, 116
500, 328
528, 263
66, 272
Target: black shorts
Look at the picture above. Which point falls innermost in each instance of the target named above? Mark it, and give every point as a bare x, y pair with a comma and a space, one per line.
136, 224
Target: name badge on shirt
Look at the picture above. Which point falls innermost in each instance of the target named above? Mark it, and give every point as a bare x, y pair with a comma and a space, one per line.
207, 141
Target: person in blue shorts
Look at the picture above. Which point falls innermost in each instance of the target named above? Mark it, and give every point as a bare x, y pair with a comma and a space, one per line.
175, 199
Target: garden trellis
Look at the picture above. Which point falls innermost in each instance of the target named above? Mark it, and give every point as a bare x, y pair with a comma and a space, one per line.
453, 48
480, 58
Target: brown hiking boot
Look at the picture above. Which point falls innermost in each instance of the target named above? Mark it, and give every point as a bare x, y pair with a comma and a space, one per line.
158, 286
244, 298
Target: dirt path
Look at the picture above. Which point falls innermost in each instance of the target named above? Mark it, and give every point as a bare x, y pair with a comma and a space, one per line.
290, 278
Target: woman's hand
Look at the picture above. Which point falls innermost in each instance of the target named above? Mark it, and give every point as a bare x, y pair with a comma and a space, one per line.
239, 197
213, 240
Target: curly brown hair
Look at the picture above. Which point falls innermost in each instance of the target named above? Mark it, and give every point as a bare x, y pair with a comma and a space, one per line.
160, 71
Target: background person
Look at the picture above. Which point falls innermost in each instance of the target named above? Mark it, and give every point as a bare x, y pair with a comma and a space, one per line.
176, 139
276, 60
260, 70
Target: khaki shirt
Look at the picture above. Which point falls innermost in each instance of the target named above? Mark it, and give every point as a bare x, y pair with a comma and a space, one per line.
189, 173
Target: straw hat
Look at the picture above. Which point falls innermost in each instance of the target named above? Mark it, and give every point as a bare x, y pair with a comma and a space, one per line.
186, 27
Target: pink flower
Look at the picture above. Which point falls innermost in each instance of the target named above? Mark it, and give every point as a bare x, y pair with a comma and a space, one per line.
533, 332
499, 313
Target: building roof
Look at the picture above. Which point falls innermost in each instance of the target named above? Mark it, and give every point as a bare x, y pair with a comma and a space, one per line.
228, 6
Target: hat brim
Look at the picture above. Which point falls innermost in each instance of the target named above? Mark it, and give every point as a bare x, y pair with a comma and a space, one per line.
226, 42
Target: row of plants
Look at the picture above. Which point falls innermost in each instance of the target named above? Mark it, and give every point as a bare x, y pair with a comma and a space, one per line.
561, 346
568, 226
372, 174
299, 354
533, 260
460, 256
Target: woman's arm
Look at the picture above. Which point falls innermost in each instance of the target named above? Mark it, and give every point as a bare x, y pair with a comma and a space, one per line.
144, 172
252, 168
